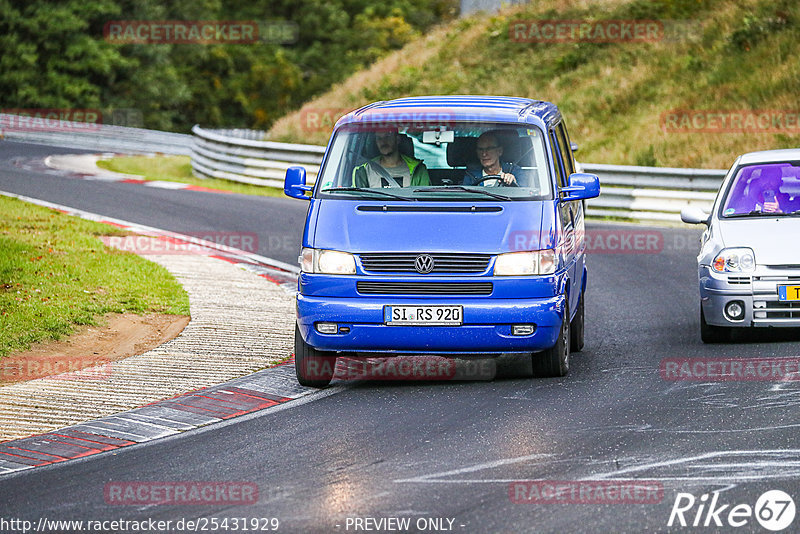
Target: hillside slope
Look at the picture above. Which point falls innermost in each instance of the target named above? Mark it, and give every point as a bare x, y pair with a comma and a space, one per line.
737, 57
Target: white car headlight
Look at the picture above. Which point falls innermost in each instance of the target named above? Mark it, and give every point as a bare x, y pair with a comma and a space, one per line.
327, 261
734, 260
525, 263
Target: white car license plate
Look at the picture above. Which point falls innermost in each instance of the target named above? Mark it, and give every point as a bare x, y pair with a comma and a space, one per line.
423, 315
788, 292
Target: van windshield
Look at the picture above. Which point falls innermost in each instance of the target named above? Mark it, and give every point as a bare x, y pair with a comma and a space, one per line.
447, 162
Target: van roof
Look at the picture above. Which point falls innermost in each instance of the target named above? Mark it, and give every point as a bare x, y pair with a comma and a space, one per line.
429, 109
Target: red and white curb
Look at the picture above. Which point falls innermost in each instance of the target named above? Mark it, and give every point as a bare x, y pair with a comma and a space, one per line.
253, 393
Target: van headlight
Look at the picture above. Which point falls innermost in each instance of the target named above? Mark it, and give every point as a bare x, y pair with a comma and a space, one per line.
734, 260
327, 261
525, 263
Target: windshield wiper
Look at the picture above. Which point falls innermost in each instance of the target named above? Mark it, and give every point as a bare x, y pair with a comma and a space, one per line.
365, 190
755, 213
461, 188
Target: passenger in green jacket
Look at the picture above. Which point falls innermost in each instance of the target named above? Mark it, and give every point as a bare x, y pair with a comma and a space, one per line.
390, 168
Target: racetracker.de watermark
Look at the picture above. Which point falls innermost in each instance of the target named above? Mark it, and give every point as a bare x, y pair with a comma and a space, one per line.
410, 120
730, 121
321, 119
55, 368
50, 119
181, 32
200, 32
589, 31
139, 493
397, 368
143, 244
730, 369
616, 241
585, 492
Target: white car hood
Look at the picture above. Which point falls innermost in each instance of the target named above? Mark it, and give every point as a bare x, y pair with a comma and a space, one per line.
775, 241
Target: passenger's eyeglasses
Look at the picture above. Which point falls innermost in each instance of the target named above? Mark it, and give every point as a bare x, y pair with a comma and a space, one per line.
487, 148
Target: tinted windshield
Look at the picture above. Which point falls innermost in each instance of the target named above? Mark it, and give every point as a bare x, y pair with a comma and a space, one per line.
464, 161
764, 189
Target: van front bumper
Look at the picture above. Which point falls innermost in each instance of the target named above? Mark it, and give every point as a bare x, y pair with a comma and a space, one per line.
486, 327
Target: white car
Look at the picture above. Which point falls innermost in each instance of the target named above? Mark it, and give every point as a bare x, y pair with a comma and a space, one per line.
749, 260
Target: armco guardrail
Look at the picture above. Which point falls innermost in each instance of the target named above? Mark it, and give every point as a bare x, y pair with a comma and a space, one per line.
651, 193
238, 155
99, 137
642, 193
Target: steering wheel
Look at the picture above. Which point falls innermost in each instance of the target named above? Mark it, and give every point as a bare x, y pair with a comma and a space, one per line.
499, 179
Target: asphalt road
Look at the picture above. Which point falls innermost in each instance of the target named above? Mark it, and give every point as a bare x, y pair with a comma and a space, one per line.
422, 451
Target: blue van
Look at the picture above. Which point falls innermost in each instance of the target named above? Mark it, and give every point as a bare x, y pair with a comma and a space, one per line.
443, 225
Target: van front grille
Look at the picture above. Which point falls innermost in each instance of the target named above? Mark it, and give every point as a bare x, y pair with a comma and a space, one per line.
442, 263
424, 288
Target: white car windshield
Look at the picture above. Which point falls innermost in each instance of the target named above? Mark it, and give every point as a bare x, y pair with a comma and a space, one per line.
463, 161
764, 189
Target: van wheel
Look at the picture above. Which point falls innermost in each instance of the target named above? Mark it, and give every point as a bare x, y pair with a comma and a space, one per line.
576, 327
555, 360
314, 368
713, 334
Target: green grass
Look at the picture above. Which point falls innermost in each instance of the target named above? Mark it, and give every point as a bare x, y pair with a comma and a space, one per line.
56, 274
732, 56
178, 169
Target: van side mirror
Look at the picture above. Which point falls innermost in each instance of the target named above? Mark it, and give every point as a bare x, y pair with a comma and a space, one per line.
295, 183
573, 146
694, 215
581, 186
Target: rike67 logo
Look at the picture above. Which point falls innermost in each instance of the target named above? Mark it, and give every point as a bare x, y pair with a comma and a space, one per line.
774, 510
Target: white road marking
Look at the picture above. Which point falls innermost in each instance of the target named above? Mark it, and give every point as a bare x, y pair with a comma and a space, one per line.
478, 467
785, 464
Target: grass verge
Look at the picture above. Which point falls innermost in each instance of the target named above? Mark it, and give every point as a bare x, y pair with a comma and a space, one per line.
56, 274
178, 169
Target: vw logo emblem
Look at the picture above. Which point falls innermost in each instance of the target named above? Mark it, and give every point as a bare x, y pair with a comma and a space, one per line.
423, 264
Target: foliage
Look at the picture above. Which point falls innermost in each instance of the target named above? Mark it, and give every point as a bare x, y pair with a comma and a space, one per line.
55, 56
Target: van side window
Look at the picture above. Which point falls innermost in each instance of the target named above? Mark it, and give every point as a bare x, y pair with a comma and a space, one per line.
554, 151
566, 149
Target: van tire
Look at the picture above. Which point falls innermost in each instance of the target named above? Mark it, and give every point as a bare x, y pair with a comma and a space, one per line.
714, 334
314, 368
554, 361
576, 327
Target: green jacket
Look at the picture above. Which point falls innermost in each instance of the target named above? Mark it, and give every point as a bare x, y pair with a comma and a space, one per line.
417, 170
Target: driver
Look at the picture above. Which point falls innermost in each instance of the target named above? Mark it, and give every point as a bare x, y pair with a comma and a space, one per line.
765, 194
489, 151
390, 168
